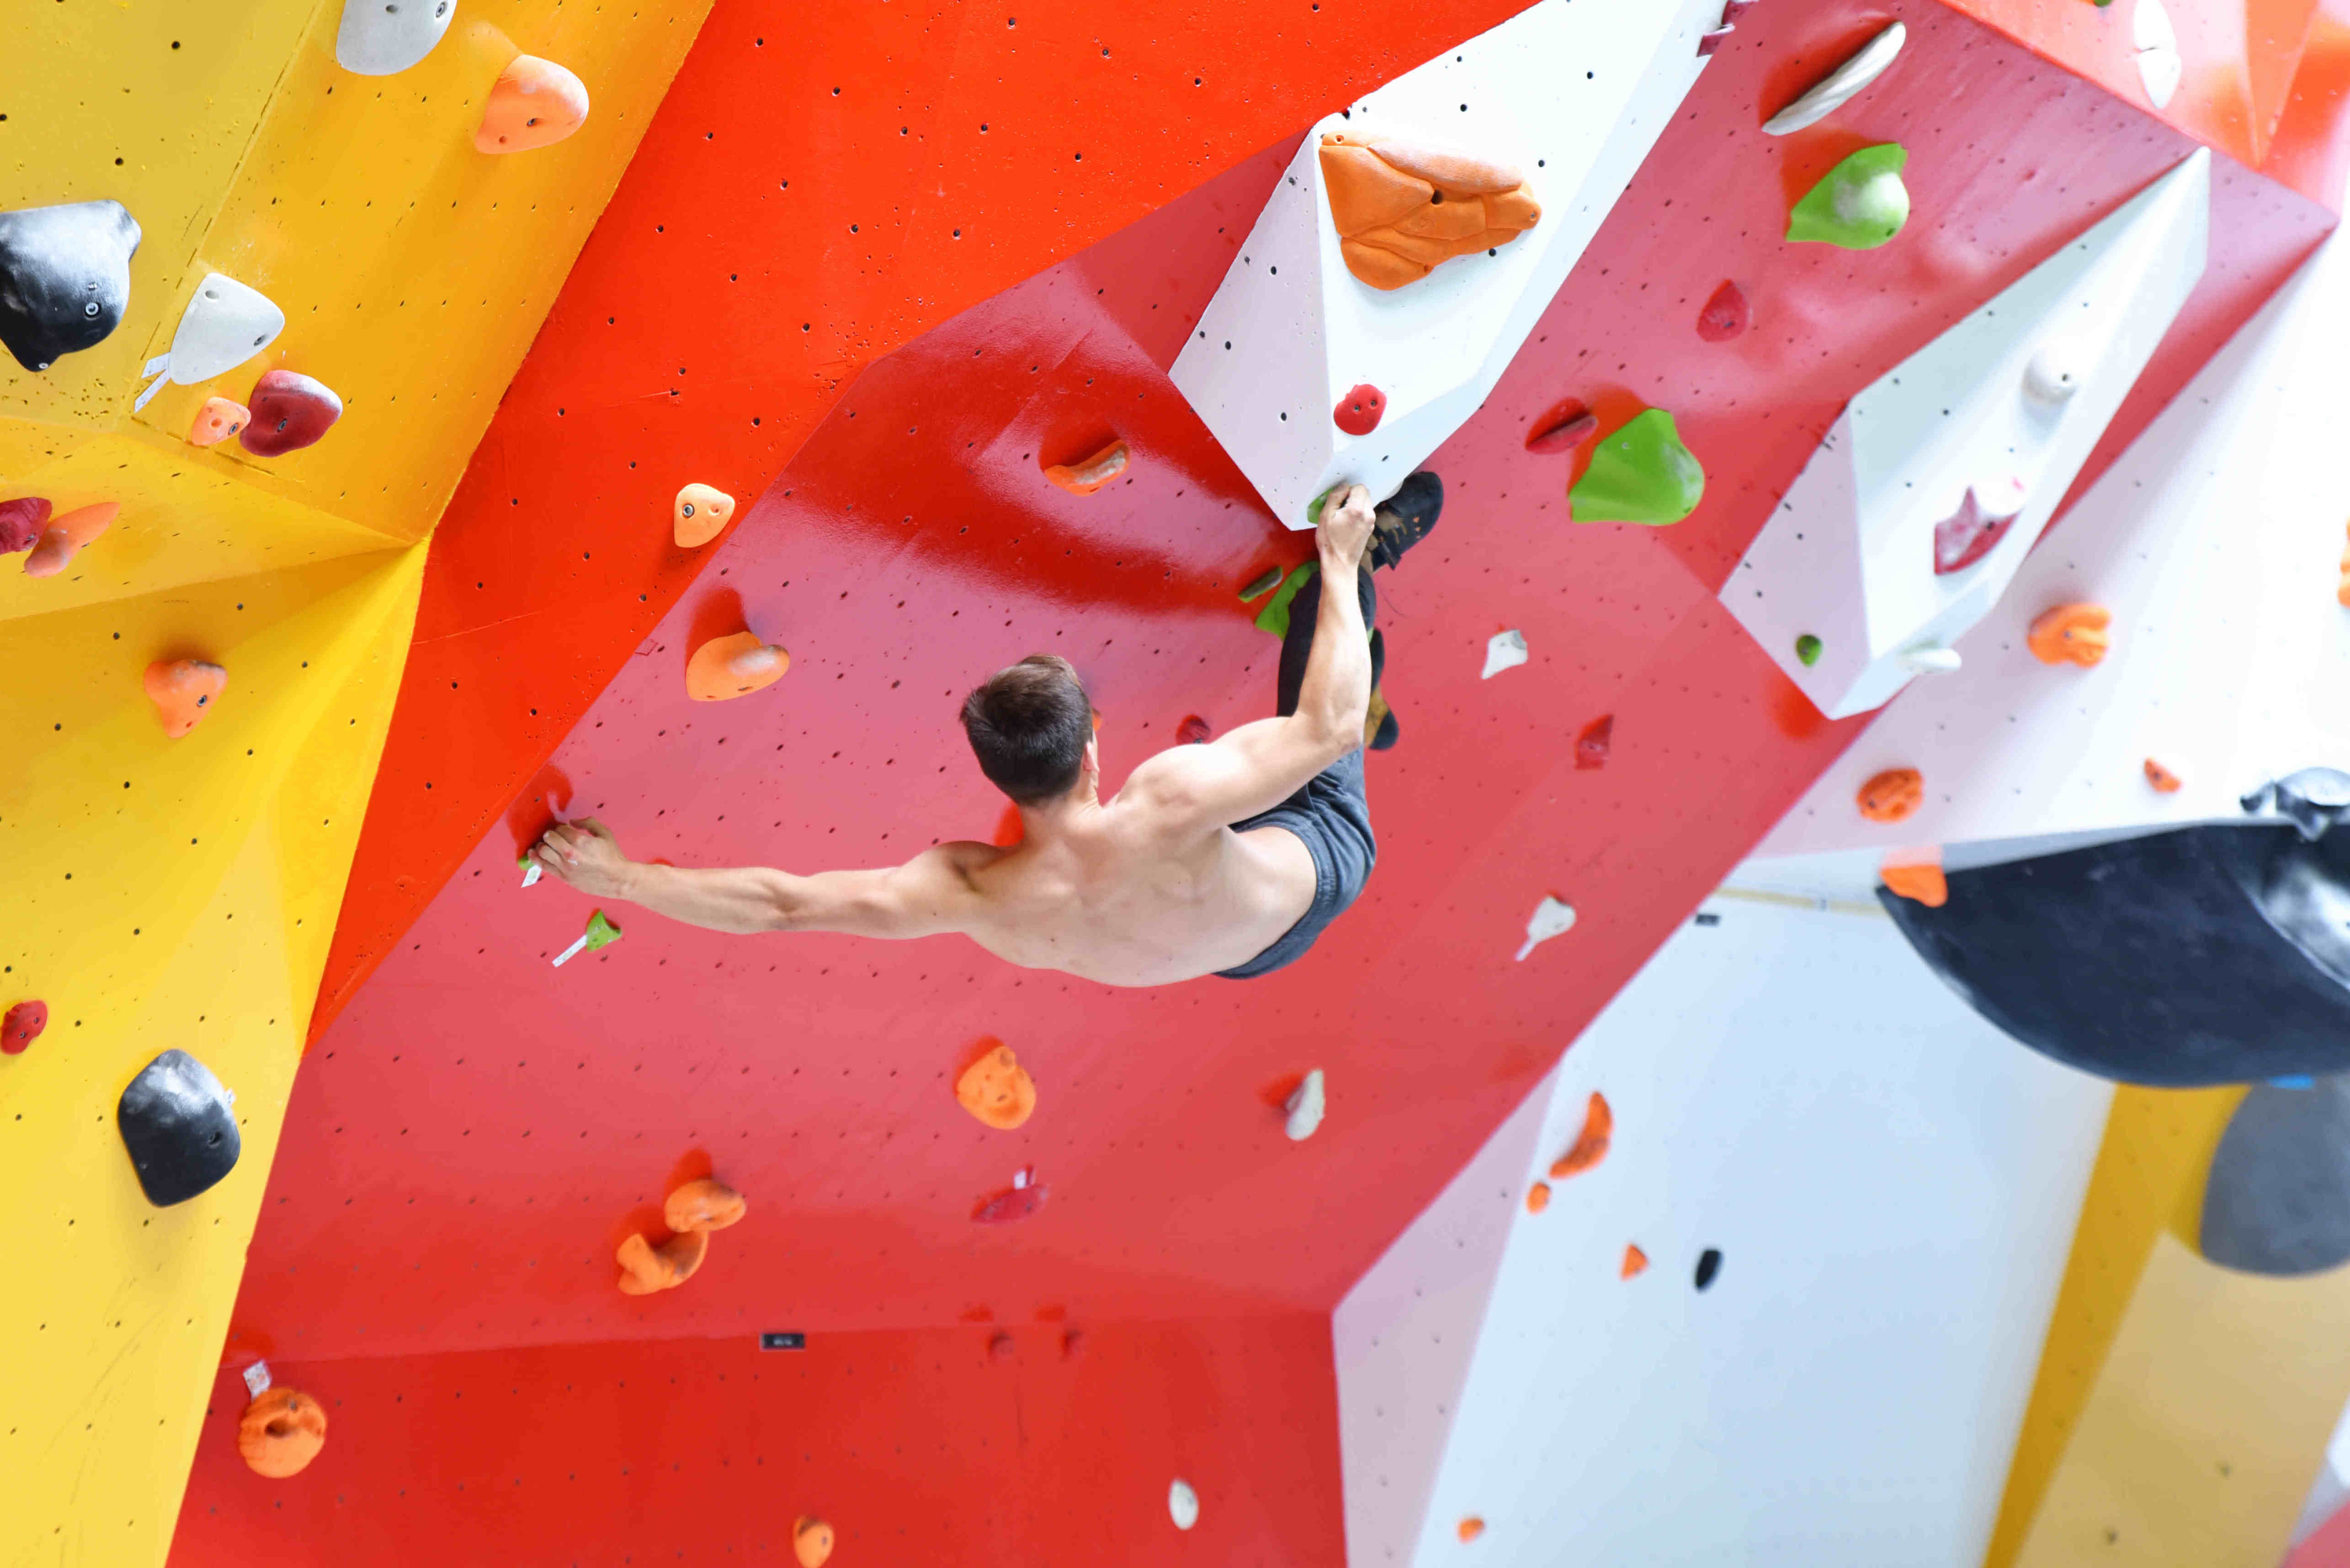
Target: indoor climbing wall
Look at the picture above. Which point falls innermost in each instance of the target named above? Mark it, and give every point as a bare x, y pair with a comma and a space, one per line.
883, 408
1779, 1261
175, 840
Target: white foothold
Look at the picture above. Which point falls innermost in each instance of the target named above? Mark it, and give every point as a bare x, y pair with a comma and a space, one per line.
1183, 1503
2054, 372
384, 37
256, 1379
1931, 658
1503, 650
532, 873
2159, 66
1305, 1107
226, 324
1551, 918
1840, 86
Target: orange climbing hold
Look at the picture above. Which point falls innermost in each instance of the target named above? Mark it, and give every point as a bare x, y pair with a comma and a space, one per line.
182, 690
2071, 634
218, 419
2342, 593
2164, 781
700, 514
534, 103
1470, 1529
1538, 1198
645, 1268
703, 1205
65, 536
1892, 795
1635, 1261
1085, 478
1590, 1145
811, 1542
281, 1432
1402, 210
997, 1090
1920, 879
734, 666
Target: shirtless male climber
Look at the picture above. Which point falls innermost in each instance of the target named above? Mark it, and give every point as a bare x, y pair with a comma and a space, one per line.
1227, 858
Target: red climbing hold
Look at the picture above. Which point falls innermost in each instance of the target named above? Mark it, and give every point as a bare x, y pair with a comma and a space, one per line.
1085, 478
1018, 1201
1000, 1346
1358, 412
290, 412
1073, 1344
1708, 42
1725, 314
21, 522
22, 1026
1192, 732
1591, 745
1975, 529
1567, 426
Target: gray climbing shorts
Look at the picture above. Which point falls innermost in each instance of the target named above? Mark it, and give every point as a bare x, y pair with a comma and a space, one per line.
1332, 817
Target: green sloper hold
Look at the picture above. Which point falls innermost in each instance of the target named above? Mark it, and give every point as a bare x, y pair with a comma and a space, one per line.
1274, 616
1642, 474
1859, 204
601, 932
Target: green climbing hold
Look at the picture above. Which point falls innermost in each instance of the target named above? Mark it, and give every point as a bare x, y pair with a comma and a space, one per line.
1272, 576
1807, 651
1642, 474
1859, 204
601, 932
1274, 616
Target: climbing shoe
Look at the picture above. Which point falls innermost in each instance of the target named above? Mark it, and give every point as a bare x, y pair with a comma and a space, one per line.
1404, 518
1381, 729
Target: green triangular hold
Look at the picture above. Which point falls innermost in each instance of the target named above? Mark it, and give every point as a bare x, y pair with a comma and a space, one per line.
1859, 204
1642, 474
1274, 616
601, 932
1271, 579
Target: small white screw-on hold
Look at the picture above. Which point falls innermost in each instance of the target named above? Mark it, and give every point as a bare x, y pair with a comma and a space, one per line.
1503, 650
1931, 660
572, 951
1838, 87
532, 873
1551, 918
2054, 374
1022, 1177
1183, 1503
256, 1379
2159, 65
1305, 1107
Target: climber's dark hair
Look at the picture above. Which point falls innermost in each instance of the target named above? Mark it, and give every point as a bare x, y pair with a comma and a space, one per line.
1029, 725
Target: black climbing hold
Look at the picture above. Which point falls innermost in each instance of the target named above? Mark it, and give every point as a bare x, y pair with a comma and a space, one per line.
2278, 1200
1708, 1263
2312, 800
177, 1123
65, 278
2179, 960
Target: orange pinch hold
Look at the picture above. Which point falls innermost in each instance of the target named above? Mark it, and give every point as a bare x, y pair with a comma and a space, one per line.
2164, 781
182, 690
1085, 478
2342, 593
1919, 880
218, 419
1470, 1529
1590, 1145
2071, 634
534, 103
703, 1205
646, 1269
1402, 210
811, 1542
997, 1090
281, 1432
734, 666
700, 514
1893, 795
65, 536
1538, 1198
1635, 1261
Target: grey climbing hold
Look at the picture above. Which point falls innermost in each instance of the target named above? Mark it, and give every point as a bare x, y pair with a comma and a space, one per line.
2278, 1200
2312, 799
177, 1123
384, 37
1839, 86
65, 278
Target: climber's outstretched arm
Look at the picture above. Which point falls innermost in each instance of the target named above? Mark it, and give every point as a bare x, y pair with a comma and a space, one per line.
929, 895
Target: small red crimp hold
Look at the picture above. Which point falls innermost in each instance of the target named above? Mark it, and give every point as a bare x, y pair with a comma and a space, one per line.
1592, 745
1725, 316
1359, 411
22, 1026
1562, 427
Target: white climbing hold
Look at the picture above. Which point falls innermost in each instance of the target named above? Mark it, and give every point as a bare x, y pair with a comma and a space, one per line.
257, 1379
532, 873
1931, 658
2159, 66
1840, 86
1551, 918
226, 324
1305, 1107
1503, 650
384, 37
2054, 372
1183, 1503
